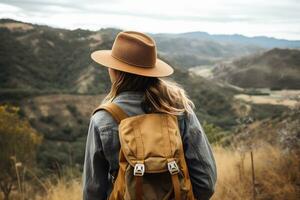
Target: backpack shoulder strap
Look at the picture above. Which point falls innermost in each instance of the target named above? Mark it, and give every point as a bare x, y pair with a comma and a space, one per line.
115, 110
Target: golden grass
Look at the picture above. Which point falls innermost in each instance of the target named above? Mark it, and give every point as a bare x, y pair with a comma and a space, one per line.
63, 190
277, 174
277, 177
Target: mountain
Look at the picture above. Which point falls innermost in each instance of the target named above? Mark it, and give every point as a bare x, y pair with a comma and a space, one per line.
49, 74
236, 39
188, 52
43, 58
40, 60
275, 69
200, 48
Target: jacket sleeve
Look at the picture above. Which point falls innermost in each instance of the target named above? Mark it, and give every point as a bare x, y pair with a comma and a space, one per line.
95, 170
199, 158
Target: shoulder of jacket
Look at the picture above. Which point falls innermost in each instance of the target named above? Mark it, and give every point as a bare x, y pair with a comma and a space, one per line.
102, 118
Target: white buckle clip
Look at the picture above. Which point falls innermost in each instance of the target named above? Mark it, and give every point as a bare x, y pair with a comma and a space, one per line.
139, 169
173, 167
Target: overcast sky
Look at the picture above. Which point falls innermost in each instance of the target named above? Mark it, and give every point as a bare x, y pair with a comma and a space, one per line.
274, 18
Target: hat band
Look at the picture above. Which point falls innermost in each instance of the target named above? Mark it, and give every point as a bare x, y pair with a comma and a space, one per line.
129, 63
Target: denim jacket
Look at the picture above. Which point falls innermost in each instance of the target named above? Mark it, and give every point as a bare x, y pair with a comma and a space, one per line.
102, 151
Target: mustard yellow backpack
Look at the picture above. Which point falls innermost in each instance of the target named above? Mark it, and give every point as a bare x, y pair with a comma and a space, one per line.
151, 159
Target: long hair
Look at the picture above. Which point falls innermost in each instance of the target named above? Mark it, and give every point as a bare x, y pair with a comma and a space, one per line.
160, 95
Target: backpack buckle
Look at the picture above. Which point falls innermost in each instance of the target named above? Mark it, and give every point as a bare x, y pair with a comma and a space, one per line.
173, 167
139, 169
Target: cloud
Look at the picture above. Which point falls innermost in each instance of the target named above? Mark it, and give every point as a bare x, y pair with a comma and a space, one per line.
272, 18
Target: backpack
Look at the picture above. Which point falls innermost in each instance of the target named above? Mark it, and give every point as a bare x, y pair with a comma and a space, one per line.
152, 165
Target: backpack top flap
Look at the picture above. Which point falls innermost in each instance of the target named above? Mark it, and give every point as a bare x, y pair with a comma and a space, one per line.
152, 139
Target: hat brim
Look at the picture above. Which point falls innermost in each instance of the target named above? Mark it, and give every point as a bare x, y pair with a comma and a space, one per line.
103, 57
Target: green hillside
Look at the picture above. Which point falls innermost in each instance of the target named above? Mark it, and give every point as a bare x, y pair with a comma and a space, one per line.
48, 59
48, 72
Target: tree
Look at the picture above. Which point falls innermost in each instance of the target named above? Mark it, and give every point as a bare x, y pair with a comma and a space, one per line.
18, 144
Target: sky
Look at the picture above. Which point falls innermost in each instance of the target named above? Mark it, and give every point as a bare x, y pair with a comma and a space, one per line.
273, 18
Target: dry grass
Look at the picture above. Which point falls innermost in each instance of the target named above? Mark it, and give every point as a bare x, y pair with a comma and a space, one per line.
277, 174
277, 177
63, 190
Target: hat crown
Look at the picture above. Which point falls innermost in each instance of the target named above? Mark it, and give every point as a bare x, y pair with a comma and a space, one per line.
135, 48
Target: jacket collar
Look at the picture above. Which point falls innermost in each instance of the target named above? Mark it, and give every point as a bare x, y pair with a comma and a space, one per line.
130, 95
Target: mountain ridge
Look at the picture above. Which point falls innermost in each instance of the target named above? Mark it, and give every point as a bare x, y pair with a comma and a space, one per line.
262, 41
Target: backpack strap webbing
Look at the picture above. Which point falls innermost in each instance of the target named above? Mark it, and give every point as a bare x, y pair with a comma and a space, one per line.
138, 187
117, 112
176, 186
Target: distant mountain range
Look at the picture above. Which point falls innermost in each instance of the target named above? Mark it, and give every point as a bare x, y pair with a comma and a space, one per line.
200, 48
191, 49
186, 52
261, 41
38, 57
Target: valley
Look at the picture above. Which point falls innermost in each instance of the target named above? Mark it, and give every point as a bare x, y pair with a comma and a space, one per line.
246, 93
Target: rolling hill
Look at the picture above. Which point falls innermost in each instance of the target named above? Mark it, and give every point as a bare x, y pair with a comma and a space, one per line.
49, 74
275, 69
187, 52
42, 58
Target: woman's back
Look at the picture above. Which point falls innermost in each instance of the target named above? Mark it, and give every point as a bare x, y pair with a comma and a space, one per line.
103, 146
137, 87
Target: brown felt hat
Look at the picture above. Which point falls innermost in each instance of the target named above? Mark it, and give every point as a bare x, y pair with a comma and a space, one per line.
135, 53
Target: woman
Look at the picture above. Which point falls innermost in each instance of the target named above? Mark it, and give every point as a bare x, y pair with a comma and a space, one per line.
137, 88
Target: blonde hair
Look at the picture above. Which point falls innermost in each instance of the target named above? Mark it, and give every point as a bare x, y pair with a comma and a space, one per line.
160, 95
